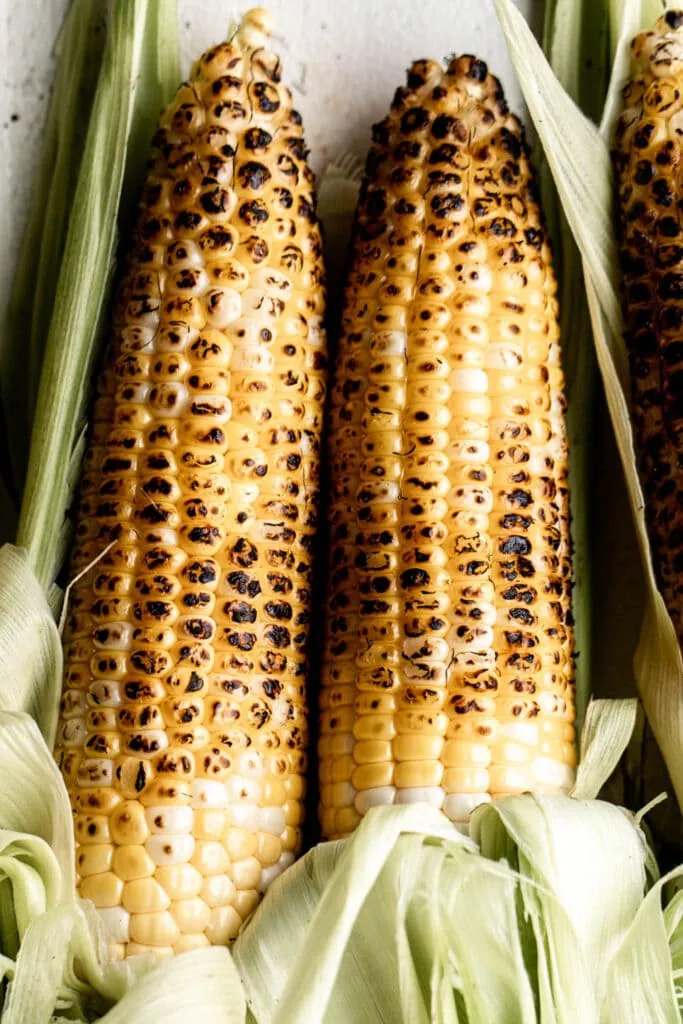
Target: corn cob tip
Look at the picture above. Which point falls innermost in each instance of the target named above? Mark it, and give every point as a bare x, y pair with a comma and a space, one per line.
255, 28
661, 48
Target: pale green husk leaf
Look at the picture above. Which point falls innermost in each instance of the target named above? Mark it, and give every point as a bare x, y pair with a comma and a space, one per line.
578, 156
139, 69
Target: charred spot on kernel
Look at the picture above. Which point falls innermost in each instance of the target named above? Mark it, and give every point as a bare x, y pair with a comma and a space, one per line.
195, 683
253, 175
478, 69
217, 200
511, 143
267, 97
414, 120
306, 209
443, 205
674, 19
412, 578
641, 139
444, 126
187, 220
240, 611
204, 534
668, 227
278, 636
253, 213
279, 610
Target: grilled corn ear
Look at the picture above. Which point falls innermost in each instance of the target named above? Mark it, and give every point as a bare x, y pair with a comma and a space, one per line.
648, 167
448, 659
183, 725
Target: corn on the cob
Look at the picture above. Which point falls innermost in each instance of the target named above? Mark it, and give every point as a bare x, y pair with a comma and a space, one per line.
183, 728
448, 662
648, 166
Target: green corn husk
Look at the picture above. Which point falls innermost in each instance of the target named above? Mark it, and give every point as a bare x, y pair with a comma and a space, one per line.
578, 157
138, 76
27, 321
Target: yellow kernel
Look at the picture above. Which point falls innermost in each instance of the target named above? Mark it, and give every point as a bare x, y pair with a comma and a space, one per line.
165, 791
240, 843
224, 924
157, 929
268, 848
294, 812
97, 801
104, 890
191, 916
180, 881
410, 774
347, 819
218, 890
369, 752
209, 823
92, 860
466, 779
131, 862
245, 901
245, 873
371, 776
417, 748
275, 791
91, 830
210, 857
144, 896
295, 785
463, 752
128, 824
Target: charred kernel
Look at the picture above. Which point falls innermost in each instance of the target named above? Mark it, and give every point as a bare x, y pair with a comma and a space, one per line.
449, 520
185, 690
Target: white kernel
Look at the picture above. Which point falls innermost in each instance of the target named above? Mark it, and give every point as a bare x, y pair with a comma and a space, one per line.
501, 356
223, 306
104, 693
268, 875
273, 820
168, 849
165, 534
116, 923
286, 859
432, 795
389, 343
376, 797
459, 806
470, 451
471, 381
521, 732
74, 704
74, 732
208, 793
271, 282
95, 771
252, 358
115, 636
241, 788
554, 774
174, 820
247, 816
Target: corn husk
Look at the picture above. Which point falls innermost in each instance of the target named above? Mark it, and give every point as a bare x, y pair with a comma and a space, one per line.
138, 75
578, 156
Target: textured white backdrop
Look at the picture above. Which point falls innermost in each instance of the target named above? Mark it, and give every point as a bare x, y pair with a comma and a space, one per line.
343, 60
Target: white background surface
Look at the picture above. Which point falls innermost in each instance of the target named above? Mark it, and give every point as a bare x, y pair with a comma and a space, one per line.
343, 60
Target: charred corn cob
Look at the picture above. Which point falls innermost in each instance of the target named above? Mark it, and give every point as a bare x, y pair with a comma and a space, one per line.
648, 167
448, 659
183, 725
